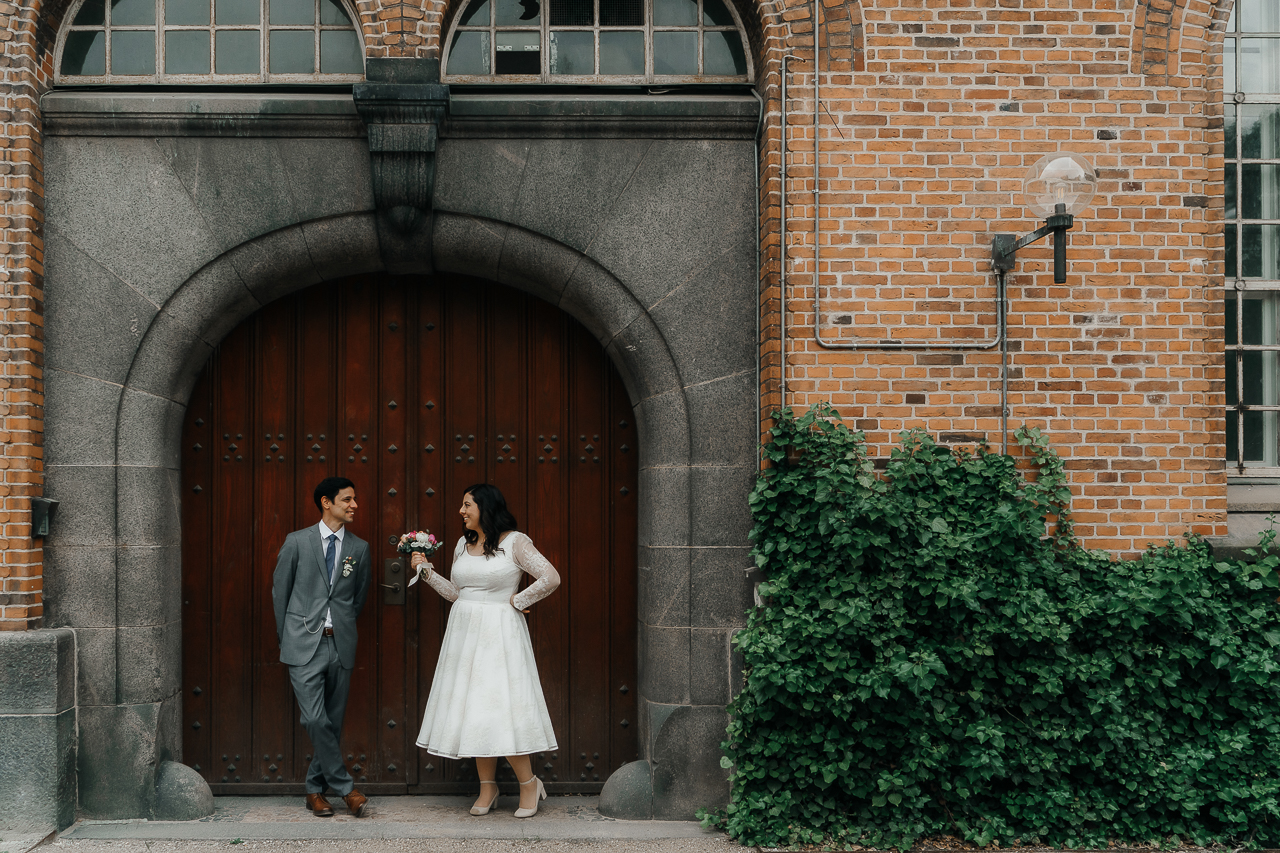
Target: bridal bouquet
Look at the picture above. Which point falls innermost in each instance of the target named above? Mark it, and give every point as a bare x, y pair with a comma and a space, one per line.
418, 542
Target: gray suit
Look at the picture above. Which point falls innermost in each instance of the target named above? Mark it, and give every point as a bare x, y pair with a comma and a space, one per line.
319, 666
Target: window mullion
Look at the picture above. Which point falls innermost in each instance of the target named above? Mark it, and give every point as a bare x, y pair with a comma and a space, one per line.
264, 40
106, 35
315, 47
1239, 356
649, 45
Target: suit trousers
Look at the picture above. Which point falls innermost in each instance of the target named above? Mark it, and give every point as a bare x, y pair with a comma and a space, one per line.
321, 687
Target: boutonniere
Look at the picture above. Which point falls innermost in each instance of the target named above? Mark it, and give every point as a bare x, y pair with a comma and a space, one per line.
348, 566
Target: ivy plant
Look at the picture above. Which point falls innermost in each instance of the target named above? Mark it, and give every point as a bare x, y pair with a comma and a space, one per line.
936, 655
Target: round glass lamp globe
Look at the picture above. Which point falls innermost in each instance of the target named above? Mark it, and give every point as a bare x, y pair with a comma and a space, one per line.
1062, 178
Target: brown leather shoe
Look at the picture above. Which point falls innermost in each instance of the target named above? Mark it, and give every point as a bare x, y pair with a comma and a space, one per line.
355, 802
319, 805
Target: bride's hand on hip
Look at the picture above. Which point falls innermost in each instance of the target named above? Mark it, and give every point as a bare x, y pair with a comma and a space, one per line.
512, 600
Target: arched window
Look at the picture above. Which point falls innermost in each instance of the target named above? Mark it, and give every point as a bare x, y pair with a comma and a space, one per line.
210, 41
598, 41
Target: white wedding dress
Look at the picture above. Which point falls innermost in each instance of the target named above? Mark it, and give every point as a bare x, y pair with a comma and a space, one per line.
486, 700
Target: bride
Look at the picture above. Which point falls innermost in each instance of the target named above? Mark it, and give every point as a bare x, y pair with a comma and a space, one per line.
486, 700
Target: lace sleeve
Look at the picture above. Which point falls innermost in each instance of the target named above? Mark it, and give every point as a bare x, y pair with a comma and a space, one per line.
447, 589
546, 578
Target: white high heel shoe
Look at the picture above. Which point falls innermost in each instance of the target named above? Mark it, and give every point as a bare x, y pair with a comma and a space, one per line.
477, 810
542, 795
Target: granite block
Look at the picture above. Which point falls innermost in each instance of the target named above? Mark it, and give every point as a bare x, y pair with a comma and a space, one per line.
79, 586
721, 510
664, 664
86, 512
663, 586
80, 419
117, 760
120, 201
664, 506
93, 321
721, 584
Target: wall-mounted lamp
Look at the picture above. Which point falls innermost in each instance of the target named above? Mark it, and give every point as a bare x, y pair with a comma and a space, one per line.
1057, 187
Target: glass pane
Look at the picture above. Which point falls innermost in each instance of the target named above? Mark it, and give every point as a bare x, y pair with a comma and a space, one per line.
186, 52
722, 54
1259, 191
1229, 178
286, 12
621, 13
469, 53
1258, 322
236, 52
518, 12
1259, 65
1259, 16
573, 53
1256, 427
622, 53
332, 14
236, 12
477, 14
1253, 434
675, 13
715, 14
1260, 247
340, 52
1229, 243
1229, 67
186, 13
85, 53
1231, 22
1229, 131
133, 52
292, 51
132, 13
1229, 313
573, 13
1260, 131
91, 14
517, 53
675, 53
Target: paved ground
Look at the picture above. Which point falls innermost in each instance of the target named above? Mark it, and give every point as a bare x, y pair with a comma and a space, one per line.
390, 825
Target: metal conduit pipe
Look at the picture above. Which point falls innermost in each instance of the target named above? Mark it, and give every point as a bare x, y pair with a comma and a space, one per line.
890, 346
782, 271
759, 309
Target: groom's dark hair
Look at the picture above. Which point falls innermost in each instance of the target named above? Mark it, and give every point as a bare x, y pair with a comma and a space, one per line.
329, 488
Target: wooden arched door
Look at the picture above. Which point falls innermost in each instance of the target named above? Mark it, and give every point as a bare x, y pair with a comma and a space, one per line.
414, 388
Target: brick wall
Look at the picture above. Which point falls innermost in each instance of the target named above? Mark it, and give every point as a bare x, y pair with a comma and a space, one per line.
931, 112
922, 157
25, 69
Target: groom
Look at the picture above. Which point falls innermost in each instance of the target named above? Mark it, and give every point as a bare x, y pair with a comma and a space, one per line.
320, 585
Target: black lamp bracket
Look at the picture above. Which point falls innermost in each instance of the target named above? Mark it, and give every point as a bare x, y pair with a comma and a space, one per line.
1004, 247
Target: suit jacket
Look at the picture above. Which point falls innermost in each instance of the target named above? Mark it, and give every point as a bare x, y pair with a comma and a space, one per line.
300, 592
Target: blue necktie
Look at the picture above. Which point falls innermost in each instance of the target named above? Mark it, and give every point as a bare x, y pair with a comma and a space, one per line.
331, 556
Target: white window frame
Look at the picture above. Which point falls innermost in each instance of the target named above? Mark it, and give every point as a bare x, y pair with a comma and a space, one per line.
263, 27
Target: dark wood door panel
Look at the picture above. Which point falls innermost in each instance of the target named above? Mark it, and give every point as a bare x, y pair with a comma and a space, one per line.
414, 388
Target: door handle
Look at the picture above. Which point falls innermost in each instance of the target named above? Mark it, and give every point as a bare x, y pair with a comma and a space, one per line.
393, 589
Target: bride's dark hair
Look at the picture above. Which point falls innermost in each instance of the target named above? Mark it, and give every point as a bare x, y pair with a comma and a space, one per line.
495, 518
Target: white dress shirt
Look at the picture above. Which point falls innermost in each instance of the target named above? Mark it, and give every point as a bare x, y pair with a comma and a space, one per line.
325, 533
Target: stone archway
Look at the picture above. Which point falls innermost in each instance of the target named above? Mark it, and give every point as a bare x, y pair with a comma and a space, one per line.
164, 232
